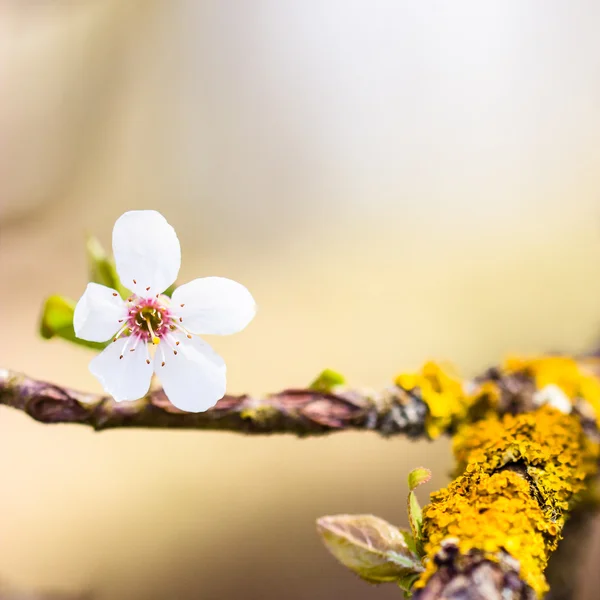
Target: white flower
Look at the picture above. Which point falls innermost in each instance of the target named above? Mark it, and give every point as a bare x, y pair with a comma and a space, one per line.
148, 256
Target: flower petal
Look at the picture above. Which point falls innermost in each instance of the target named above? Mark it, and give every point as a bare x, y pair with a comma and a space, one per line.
98, 312
126, 378
195, 378
213, 305
147, 252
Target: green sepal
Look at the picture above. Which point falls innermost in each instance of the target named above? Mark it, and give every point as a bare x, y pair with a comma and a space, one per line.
327, 381
101, 267
57, 321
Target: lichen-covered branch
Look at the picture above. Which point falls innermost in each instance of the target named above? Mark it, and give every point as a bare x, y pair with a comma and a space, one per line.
526, 440
428, 403
490, 533
299, 411
520, 477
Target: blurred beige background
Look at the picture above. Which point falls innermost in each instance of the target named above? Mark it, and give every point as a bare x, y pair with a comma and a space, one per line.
393, 181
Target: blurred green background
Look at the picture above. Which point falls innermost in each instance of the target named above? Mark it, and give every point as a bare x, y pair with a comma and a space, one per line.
393, 181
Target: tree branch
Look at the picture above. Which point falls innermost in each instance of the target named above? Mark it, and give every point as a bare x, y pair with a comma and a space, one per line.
521, 476
301, 412
489, 535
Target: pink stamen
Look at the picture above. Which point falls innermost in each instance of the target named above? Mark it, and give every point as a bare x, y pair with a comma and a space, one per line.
176, 325
120, 332
162, 352
147, 319
127, 342
169, 342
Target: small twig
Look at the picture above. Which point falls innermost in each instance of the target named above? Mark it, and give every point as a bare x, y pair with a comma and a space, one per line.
301, 412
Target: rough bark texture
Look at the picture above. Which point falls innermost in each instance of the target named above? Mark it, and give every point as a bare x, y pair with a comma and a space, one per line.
302, 412
473, 578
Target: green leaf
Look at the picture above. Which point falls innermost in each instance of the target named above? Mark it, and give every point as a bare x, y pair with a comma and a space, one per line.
327, 381
410, 540
406, 583
371, 547
101, 267
57, 321
415, 515
418, 476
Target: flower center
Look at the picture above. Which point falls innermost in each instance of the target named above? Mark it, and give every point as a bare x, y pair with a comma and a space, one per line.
148, 319
150, 322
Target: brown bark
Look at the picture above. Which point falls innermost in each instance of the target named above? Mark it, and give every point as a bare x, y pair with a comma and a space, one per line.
302, 412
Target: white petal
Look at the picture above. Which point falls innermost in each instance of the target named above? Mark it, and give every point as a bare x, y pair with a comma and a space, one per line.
214, 305
126, 378
98, 312
146, 251
195, 378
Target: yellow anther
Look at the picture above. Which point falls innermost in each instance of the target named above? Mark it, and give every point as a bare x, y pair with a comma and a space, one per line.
155, 340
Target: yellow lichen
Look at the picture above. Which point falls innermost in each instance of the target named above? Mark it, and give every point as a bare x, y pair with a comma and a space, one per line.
520, 476
260, 414
450, 402
442, 392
